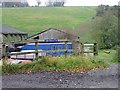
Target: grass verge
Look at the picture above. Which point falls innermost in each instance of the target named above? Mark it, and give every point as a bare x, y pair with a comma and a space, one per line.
69, 64
116, 57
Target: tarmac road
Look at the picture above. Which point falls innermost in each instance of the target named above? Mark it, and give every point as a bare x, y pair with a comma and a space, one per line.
101, 78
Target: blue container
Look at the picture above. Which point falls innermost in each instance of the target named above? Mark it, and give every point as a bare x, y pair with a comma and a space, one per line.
49, 46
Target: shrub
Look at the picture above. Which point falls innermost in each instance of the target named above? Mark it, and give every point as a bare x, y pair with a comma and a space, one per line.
116, 58
8, 68
71, 63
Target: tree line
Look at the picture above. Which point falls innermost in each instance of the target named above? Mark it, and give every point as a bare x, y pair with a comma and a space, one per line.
48, 3
105, 26
52, 3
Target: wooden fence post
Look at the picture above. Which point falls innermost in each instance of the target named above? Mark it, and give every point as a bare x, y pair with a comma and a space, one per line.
82, 49
3, 51
95, 49
36, 49
7, 52
78, 47
66, 47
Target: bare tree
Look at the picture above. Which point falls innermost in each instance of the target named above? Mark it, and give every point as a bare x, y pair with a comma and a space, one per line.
59, 2
49, 3
38, 2
55, 3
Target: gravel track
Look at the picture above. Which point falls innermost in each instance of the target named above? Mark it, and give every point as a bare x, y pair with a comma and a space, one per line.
101, 78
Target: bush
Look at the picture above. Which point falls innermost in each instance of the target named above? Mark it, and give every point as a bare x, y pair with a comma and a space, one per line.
71, 63
116, 58
8, 68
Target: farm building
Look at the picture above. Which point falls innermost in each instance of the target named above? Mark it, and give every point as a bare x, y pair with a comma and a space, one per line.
8, 35
50, 41
53, 33
13, 3
57, 34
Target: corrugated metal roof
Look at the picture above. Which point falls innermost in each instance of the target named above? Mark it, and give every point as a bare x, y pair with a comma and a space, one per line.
5, 30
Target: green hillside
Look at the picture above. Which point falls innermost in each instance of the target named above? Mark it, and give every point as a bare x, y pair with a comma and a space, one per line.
34, 20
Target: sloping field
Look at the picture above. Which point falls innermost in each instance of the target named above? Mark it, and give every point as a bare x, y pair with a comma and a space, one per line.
34, 20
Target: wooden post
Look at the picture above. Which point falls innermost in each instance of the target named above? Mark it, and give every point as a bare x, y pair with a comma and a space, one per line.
13, 37
73, 48
3, 51
78, 47
82, 49
9, 36
21, 37
25, 37
8, 39
66, 48
95, 49
7, 52
4, 38
36, 48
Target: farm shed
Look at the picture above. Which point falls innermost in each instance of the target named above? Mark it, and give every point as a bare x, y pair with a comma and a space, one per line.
13, 3
53, 33
9, 35
50, 41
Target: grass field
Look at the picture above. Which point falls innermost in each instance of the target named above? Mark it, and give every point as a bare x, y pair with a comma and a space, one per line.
34, 20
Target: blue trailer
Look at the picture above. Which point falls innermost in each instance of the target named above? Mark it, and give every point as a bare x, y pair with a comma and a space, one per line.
49, 46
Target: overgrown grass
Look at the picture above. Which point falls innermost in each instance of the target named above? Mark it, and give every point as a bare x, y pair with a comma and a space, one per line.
116, 57
104, 55
70, 64
112, 57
